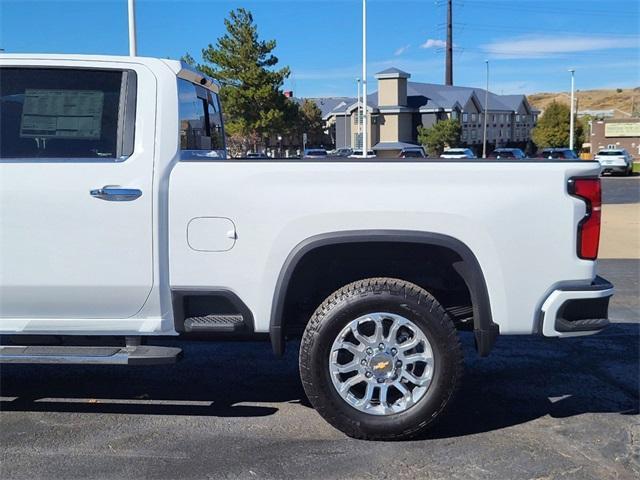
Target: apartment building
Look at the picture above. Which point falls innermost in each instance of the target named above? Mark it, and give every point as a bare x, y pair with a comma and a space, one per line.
400, 106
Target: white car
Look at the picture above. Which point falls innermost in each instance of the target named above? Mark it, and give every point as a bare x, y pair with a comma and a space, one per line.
123, 222
358, 154
615, 160
458, 153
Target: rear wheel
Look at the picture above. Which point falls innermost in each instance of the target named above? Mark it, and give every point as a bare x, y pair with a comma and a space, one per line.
380, 359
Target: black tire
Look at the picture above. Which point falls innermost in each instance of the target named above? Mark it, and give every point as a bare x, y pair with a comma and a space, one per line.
380, 295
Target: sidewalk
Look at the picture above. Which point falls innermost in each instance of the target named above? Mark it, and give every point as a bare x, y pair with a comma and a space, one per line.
620, 235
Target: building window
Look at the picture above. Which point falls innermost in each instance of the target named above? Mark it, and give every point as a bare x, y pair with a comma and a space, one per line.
357, 141
464, 135
465, 117
494, 118
474, 134
473, 117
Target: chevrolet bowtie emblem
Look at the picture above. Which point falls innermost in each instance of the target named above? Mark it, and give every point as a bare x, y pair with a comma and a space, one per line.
380, 365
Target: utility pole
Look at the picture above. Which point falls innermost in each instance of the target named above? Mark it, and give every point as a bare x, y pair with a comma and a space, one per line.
448, 78
571, 120
133, 51
365, 115
486, 114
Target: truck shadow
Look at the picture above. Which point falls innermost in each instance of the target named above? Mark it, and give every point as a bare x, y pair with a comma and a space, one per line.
523, 379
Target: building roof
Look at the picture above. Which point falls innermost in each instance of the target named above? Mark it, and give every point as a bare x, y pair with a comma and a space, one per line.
392, 73
427, 96
394, 145
345, 104
329, 104
446, 96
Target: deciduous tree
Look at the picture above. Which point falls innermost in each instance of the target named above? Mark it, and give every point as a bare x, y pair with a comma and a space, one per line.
552, 129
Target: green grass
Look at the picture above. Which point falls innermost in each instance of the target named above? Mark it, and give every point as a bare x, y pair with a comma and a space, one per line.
636, 167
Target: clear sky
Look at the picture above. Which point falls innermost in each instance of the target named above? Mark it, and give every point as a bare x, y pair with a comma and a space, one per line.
530, 43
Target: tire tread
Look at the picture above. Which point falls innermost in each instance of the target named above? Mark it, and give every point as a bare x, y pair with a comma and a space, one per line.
362, 288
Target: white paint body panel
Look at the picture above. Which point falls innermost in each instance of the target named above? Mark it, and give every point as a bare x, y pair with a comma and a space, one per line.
73, 264
517, 219
71, 255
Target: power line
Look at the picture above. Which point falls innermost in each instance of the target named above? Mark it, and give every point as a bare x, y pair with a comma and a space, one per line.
461, 27
528, 54
538, 8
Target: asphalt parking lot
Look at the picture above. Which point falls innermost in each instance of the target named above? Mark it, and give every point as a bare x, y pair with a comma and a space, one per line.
535, 409
620, 190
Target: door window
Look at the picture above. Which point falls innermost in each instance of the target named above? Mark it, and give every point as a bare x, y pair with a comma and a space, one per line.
65, 113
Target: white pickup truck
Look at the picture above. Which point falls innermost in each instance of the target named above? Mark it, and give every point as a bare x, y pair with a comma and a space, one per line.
122, 221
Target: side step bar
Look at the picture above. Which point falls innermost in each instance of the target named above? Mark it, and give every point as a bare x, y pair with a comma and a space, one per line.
132, 355
214, 324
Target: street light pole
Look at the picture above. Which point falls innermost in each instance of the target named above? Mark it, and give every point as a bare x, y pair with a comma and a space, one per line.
571, 120
133, 50
486, 113
365, 115
358, 112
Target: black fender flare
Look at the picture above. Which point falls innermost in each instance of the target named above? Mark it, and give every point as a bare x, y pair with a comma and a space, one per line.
485, 330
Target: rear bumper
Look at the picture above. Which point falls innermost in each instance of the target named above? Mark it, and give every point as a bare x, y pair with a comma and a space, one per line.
614, 168
575, 311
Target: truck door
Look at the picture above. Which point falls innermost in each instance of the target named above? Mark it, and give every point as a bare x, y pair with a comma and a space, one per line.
76, 166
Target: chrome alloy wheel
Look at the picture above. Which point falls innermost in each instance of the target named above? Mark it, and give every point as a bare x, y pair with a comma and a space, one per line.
381, 363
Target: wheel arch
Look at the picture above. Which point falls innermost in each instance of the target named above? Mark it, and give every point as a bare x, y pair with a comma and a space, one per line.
469, 269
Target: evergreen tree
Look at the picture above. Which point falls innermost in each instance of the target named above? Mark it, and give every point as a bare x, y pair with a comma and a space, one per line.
310, 122
444, 133
251, 89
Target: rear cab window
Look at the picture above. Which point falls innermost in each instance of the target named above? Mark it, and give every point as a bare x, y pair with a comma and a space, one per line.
201, 125
67, 114
610, 153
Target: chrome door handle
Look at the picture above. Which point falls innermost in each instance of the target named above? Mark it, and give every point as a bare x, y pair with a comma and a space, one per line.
116, 194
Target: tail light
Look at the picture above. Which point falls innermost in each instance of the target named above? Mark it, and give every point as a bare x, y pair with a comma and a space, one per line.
588, 190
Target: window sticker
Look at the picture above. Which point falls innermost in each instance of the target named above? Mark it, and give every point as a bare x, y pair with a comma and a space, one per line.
62, 114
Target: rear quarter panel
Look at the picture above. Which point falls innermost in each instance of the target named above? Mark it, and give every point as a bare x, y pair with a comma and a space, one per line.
517, 218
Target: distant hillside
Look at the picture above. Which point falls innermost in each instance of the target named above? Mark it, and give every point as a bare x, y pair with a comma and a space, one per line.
621, 102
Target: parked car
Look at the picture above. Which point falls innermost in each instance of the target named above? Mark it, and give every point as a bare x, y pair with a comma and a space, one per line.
315, 153
507, 153
615, 160
257, 155
458, 153
358, 154
558, 154
114, 236
342, 152
412, 152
